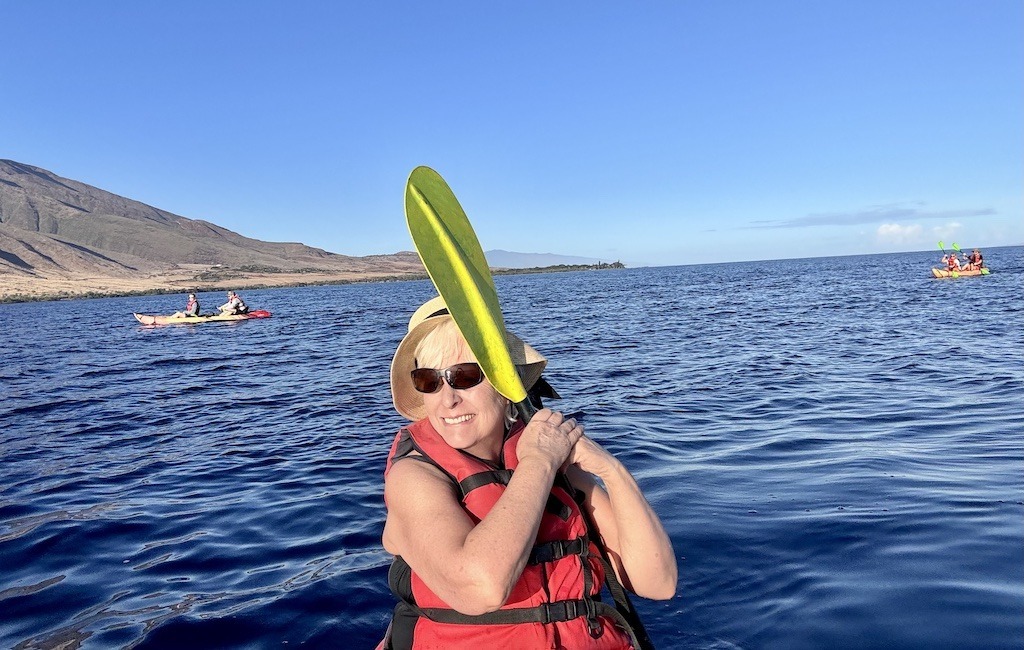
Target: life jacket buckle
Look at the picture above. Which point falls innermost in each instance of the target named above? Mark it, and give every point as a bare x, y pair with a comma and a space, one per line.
558, 612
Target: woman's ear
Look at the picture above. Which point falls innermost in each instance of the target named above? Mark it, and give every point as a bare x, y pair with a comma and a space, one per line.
510, 412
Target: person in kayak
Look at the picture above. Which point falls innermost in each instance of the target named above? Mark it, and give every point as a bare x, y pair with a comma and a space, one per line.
234, 305
191, 307
500, 531
951, 261
975, 260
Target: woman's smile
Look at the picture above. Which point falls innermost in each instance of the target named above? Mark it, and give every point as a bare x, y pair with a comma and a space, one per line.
458, 419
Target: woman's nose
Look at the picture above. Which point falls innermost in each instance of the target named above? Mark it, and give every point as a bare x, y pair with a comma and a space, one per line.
449, 396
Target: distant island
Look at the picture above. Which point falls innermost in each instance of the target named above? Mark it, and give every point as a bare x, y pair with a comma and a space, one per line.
558, 268
63, 239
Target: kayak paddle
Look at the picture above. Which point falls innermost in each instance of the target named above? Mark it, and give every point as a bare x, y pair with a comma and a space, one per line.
455, 262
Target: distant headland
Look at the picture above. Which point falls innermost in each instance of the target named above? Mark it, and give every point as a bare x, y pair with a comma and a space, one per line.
63, 239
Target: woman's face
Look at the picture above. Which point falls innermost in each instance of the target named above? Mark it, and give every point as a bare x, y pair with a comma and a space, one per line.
470, 419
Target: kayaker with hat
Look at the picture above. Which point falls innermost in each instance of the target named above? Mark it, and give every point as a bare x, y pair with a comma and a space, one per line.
234, 305
975, 260
496, 526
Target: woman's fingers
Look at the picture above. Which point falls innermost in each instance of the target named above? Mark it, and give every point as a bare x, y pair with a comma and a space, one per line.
573, 430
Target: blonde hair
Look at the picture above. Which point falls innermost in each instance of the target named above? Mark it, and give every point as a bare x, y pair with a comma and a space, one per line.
442, 343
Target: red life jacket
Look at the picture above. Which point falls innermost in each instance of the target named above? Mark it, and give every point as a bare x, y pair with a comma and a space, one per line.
552, 605
953, 263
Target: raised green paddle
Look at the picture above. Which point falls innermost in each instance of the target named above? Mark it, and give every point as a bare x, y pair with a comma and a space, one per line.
452, 255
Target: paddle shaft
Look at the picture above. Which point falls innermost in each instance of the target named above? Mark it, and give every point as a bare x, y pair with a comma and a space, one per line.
526, 410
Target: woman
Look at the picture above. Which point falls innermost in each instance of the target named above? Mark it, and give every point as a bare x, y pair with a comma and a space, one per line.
191, 308
489, 529
952, 262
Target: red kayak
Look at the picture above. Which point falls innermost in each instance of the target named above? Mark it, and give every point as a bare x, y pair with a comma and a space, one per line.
179, 320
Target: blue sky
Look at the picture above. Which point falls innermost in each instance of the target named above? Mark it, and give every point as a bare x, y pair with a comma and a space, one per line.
655, 133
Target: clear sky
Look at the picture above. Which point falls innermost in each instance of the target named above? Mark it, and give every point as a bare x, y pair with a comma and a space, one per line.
654, 133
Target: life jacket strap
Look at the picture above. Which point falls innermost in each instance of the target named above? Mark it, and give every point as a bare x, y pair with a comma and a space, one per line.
556, 612
546, 613
557, 549
480, 479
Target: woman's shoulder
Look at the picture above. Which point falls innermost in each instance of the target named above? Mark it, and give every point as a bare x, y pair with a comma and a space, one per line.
412, 484
416, 471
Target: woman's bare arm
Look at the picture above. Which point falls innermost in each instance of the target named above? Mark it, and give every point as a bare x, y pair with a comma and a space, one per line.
474, 567
640, 550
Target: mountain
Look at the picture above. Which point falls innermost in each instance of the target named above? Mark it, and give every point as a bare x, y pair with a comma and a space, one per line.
63, 238
60, 236
500, 259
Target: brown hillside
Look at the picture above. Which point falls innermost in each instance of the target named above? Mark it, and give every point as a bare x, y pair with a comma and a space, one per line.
61, 237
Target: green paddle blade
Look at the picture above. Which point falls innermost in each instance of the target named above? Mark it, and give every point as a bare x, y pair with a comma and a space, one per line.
955, 247
984, 271
452, 255
941, 247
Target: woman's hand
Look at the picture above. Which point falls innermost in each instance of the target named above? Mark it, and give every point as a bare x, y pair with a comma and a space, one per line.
591, 457
548, 438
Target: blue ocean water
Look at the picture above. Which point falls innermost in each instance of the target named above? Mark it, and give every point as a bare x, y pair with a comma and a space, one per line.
836, 446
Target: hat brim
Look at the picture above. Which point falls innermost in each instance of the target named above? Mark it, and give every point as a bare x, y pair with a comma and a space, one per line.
409, 402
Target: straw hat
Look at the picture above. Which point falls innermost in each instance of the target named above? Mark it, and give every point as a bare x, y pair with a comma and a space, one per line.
408, 401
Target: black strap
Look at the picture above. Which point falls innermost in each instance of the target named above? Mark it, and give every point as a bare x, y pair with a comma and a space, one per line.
557, 549
623, 604
557, 508
480, 479
558, 611
405, 445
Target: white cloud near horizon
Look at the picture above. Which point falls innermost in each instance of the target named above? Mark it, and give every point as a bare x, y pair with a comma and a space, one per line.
894, 233
947, 231
887, 214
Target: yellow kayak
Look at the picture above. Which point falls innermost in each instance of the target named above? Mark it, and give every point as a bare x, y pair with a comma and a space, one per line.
944, 273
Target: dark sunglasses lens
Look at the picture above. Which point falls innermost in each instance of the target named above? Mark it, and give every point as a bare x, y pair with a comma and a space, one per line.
465, 375
426, 380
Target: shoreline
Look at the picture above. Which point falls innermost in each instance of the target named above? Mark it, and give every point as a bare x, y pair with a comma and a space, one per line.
90, 287
50, 290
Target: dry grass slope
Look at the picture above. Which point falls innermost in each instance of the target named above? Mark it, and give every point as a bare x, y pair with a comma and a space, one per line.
62, 238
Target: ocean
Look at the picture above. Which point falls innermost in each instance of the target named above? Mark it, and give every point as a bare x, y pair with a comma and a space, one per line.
835, 445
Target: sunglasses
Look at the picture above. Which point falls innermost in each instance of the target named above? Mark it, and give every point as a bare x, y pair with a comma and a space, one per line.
460, 376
